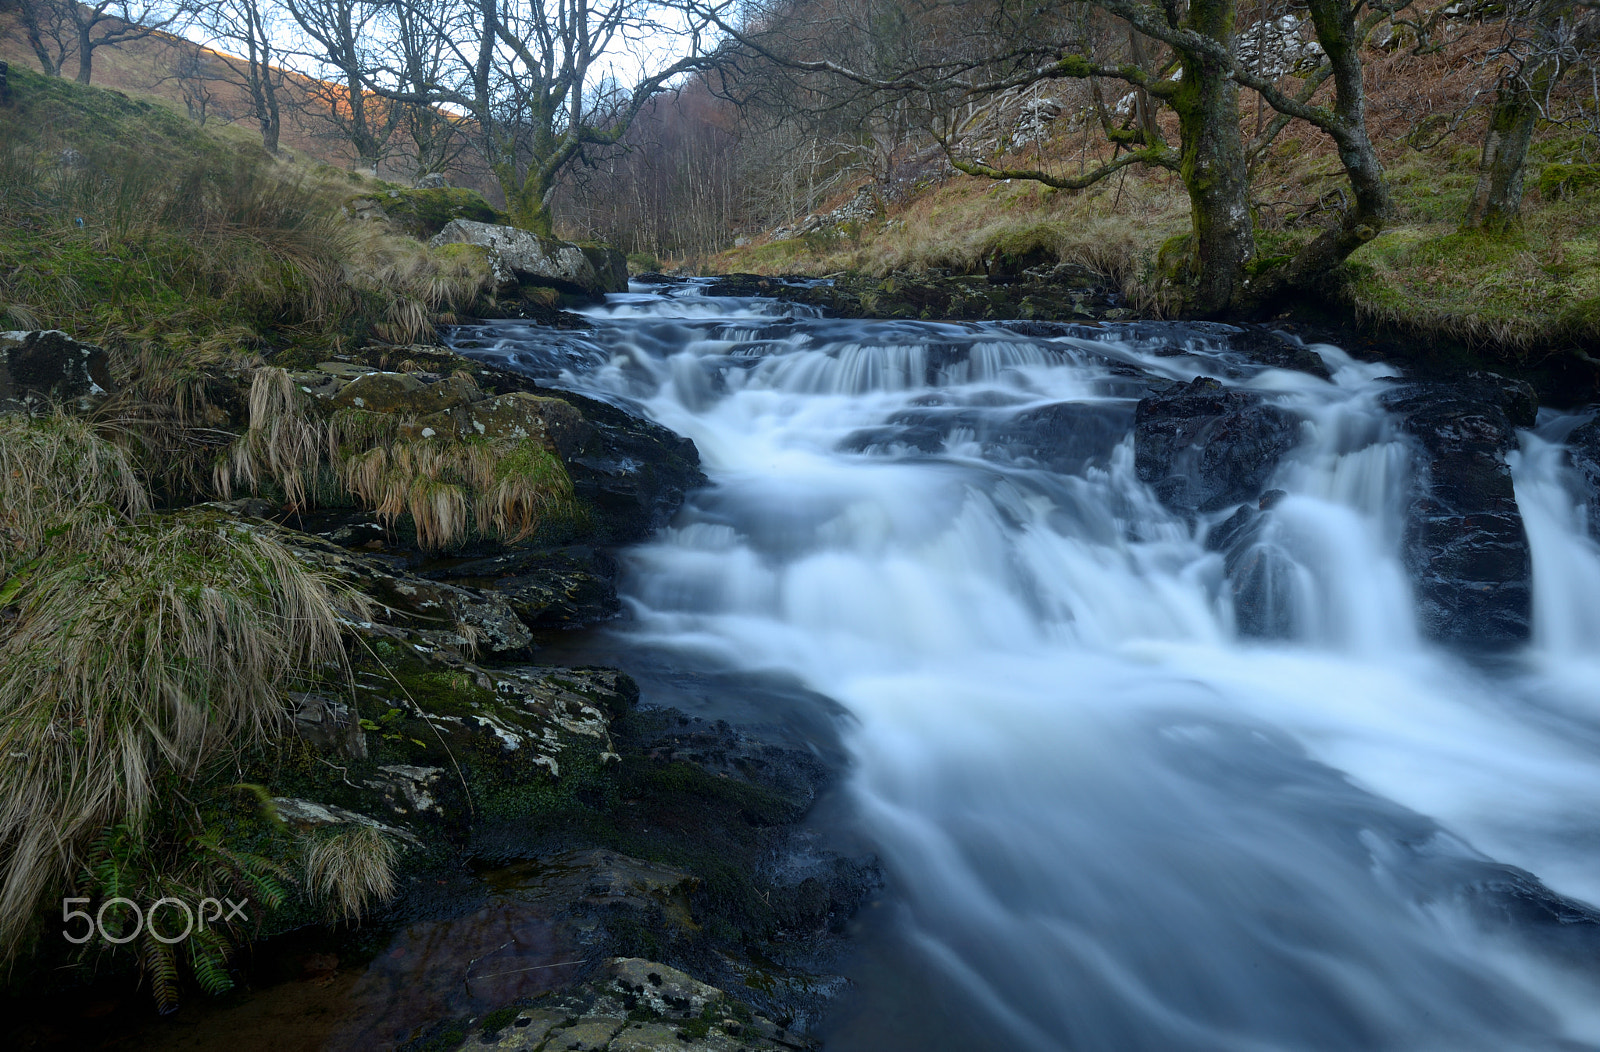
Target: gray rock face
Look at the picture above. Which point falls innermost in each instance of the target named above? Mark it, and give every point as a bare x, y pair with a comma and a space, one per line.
520, 257
48, 366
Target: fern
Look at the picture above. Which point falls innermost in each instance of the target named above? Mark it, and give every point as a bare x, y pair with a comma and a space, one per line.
161, 969
209, 952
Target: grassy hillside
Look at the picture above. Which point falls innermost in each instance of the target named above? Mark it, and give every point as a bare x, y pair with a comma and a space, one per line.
126, 223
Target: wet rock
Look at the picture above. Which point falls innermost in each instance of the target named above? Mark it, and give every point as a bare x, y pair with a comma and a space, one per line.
1204, 446
552, 588
1260, 574
1583, 449
1464, 542
443, 614
637, 1005
660, 988
522, 257
408, 790
328, 724
48, 367
1279, 351
307, 815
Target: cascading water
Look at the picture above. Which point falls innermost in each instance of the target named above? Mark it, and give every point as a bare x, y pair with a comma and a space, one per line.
1111, 819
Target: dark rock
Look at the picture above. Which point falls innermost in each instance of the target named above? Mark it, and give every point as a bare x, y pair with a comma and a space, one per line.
1204, 446
1260, 574
553, 588
1583, 448
329, 724
1277, 350
631, 472
439, 613
1464, 541
406, 393
49, 367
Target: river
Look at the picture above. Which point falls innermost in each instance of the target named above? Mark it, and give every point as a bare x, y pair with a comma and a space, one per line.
1110, 820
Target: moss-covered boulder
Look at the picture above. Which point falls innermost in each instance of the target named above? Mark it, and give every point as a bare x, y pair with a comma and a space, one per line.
423, 212
378, 392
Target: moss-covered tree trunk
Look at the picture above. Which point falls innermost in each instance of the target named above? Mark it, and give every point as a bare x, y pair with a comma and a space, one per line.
1497, 201
1213, 167
1371, 208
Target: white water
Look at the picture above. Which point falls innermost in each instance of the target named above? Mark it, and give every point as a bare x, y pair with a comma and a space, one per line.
1109, 822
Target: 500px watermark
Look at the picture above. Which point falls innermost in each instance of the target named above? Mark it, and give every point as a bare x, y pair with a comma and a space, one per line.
204, 912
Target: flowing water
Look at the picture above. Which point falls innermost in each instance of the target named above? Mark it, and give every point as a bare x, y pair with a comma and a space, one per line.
1110, 821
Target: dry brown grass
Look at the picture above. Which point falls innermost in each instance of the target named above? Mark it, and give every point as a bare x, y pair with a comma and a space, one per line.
349, 870
62, 486
448, 487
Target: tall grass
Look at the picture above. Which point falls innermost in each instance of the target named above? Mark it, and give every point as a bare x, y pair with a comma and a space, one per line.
132, 651
350, 869
126, 248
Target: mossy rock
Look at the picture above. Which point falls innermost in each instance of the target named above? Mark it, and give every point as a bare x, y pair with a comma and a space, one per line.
1568, 180
423, 213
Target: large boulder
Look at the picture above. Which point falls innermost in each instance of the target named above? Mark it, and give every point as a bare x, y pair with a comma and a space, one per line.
48, 366
1205, 447
1464, 541
520, 257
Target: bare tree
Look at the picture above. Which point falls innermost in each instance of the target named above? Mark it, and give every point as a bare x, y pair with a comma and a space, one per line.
49, 32
341, 36
531, 78
1198, 77
111, 23
249, 29
431, 138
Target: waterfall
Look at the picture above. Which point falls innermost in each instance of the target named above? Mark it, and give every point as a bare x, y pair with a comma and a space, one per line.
1119, 808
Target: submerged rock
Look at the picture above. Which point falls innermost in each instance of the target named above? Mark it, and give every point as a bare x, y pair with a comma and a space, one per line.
1203, 446
1464, 541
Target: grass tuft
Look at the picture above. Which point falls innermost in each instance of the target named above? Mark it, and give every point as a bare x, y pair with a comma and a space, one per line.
350, 870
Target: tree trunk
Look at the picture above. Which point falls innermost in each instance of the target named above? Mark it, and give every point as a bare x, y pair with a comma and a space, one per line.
30, 23
85, 56
527, 198
1213, 169
1497, 201
1371, 208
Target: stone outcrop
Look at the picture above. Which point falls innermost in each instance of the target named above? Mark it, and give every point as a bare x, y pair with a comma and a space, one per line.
1464, 542
520, 257
46, 367
1203, 446
636, 1005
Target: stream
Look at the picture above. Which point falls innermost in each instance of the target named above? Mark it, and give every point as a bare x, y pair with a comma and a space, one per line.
1109, 819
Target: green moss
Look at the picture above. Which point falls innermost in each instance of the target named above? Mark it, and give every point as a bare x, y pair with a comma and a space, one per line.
423, 213
1563, 180
498, 1020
